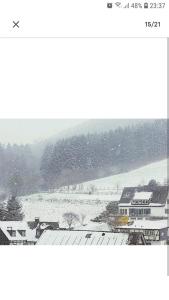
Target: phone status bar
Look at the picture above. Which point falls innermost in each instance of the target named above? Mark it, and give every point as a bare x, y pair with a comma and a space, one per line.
136, 5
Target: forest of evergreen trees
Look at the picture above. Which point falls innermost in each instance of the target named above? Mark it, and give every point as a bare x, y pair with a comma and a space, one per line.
19, 170
81, 158
91, 156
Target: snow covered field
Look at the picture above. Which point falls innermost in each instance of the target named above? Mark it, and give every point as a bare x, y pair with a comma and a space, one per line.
143, 175
51, 206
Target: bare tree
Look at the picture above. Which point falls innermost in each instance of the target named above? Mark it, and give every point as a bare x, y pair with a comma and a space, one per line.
74, 187
70, 218
117, 188
82, 218
81, 187
92, 189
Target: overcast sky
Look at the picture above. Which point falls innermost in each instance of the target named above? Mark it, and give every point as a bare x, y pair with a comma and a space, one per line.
30, 130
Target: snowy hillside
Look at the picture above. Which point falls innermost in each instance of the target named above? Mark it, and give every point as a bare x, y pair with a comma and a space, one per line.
51, 206
143, 175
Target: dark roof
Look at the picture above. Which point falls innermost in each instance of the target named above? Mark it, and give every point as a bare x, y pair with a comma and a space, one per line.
128, 194
159, 193
52, 225
136, 238
160, 196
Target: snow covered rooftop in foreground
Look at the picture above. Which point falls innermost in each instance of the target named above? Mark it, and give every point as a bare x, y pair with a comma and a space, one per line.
147, 224
66, 237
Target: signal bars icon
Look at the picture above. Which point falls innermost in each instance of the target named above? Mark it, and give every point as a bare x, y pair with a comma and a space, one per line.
127, 5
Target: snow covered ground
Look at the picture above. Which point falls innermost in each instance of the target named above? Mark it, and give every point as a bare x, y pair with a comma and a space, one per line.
51, 206
143, 175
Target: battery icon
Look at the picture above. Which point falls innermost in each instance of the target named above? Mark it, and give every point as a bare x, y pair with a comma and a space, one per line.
145, 5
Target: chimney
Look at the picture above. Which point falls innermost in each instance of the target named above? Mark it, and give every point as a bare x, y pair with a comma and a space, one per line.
9, 229
37, 220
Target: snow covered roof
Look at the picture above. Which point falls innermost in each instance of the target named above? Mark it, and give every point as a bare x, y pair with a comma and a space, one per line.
43, 226
142, 195
147, 224
158, 195
66, 237
94, 227
17, 226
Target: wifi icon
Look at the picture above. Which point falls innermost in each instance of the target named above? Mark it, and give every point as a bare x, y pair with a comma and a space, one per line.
118, 4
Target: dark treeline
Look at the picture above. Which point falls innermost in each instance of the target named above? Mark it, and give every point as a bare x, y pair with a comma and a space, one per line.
81, 158
91, 156
19, 170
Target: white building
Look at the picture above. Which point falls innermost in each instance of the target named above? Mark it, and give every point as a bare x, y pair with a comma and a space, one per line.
16, 233
155, 231
141, 202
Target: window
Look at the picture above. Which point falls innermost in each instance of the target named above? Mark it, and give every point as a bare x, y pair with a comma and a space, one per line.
22, 232
15, 242
88, 235
12, 233
123, 211
127, 195
150, 232
131, 211
147, 211
140, 202
139, 212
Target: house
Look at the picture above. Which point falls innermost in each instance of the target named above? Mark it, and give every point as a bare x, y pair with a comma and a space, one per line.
40, 226
16, 233
139, 202
155, 231
83, 237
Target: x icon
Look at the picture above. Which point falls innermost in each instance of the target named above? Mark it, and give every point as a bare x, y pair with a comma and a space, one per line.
15, 24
